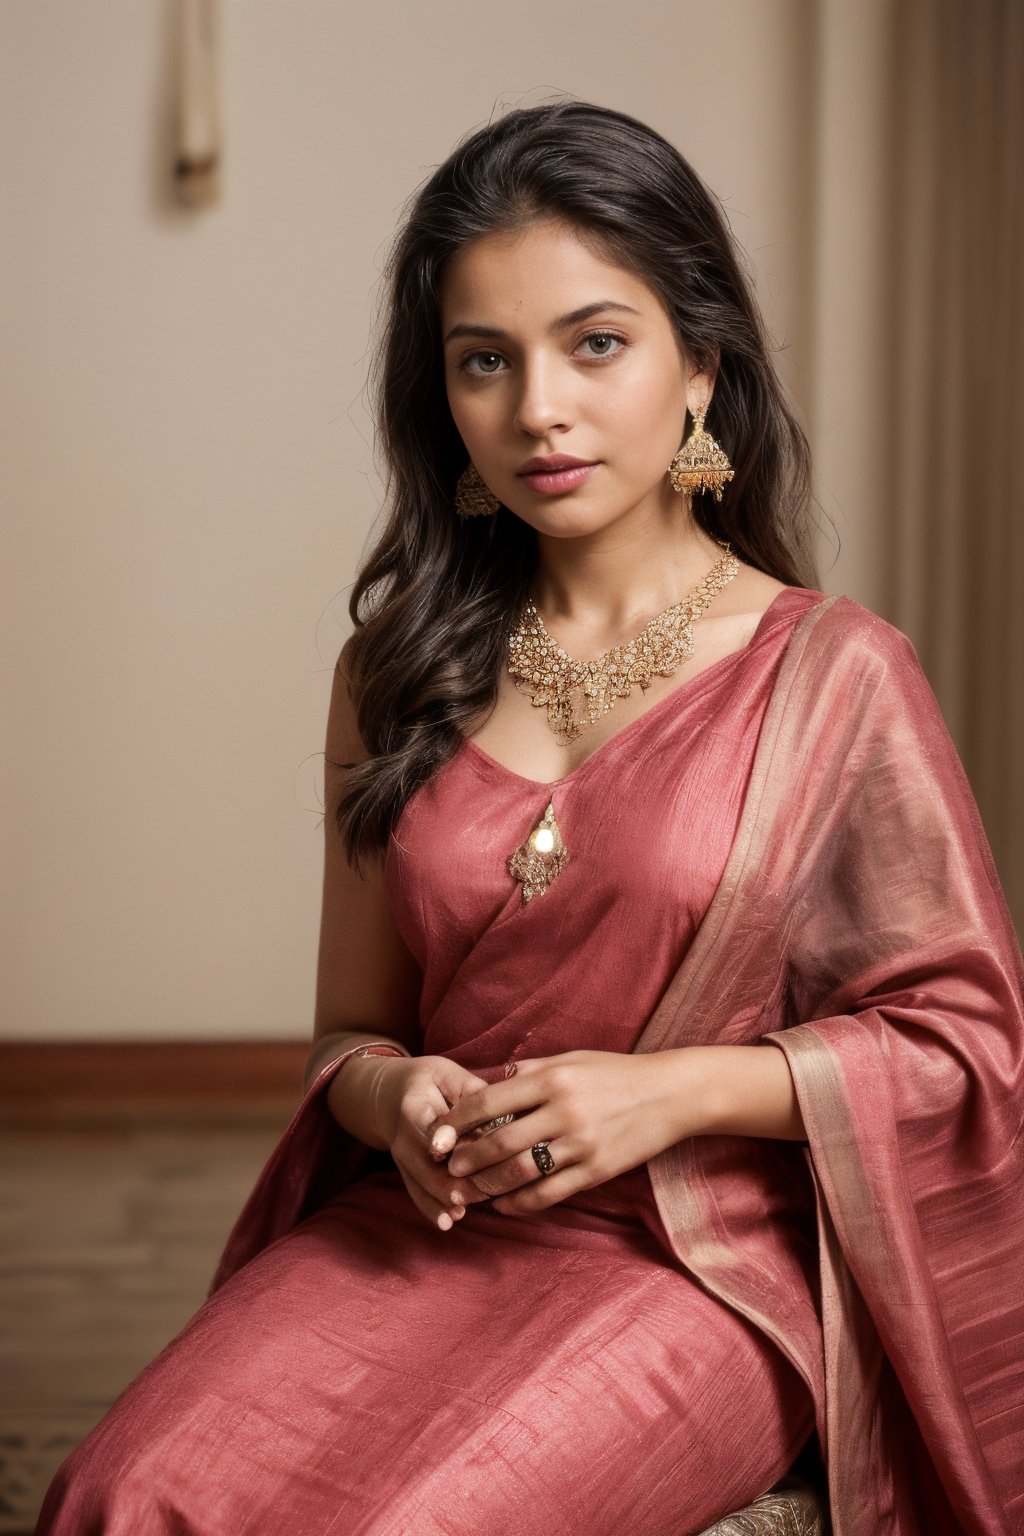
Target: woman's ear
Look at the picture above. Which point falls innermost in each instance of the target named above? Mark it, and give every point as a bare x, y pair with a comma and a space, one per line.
700, 385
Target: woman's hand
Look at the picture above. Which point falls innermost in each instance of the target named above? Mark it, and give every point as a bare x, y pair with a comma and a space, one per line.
393, 1102
600, 1112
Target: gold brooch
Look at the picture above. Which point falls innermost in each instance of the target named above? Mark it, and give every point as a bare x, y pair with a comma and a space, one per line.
541, 858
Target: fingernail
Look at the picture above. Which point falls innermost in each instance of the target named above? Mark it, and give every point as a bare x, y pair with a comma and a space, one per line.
457, 1167
456, 1198
444, 1139
444, 1221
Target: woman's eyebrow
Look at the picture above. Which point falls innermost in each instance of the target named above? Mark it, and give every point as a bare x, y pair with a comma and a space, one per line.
493, 334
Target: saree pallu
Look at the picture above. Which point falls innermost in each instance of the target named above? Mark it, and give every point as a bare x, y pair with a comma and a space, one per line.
860, 927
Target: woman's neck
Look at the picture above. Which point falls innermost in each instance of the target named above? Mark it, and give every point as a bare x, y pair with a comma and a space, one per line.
613, 581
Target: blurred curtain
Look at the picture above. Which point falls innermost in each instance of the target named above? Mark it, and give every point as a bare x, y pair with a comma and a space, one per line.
955, 392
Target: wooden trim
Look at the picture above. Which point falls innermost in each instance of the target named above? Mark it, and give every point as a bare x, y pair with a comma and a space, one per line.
186, 1070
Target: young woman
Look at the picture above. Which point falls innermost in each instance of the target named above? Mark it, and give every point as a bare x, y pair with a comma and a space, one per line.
664, 1106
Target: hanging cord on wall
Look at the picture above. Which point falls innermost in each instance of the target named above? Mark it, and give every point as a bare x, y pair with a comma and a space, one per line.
199, 152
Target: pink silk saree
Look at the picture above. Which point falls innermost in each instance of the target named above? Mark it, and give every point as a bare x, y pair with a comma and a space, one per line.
859, 926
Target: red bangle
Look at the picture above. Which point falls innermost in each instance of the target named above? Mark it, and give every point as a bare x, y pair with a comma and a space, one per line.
378, 1049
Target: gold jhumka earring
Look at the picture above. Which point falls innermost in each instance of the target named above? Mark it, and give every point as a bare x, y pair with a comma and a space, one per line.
472, 498
700, 464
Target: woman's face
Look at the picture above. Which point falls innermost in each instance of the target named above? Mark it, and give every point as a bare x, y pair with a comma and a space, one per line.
552, 350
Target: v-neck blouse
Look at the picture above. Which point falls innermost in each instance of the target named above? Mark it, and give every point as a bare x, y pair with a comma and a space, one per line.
648, 820
671, 698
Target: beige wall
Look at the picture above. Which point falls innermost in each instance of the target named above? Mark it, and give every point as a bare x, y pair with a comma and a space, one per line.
188, 469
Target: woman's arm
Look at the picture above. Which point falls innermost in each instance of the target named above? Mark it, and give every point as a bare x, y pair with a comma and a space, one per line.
367, 994
367, 983
744, 1090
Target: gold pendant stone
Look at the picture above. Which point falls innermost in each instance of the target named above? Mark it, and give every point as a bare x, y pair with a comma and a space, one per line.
541, 858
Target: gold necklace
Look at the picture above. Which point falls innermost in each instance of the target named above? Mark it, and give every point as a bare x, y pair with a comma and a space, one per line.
553, 679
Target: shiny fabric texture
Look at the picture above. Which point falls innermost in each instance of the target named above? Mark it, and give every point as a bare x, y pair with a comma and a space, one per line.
861, 928
782, 850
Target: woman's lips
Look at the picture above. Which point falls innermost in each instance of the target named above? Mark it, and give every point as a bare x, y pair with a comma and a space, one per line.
554, 482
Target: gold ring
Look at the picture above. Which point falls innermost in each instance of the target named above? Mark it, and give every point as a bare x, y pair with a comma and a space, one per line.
492, 1125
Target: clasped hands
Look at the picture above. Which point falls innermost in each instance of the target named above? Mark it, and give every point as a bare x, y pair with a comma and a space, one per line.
599, 1112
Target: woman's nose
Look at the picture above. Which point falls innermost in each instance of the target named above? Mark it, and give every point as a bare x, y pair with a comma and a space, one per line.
541, 404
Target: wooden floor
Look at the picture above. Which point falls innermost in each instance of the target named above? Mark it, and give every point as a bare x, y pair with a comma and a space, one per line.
112, 1225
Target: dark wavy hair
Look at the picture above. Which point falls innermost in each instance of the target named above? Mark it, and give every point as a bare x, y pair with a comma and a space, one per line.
437, 596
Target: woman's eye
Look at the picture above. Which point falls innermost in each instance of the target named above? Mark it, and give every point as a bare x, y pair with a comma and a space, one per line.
604, 343
600, 344
487, 361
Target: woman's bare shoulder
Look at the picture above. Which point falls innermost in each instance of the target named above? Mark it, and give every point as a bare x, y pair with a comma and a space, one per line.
738, 609
754, 591
344, 744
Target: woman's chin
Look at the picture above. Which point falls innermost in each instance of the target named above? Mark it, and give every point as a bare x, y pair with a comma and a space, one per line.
565, 522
